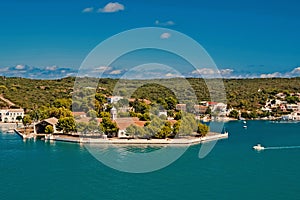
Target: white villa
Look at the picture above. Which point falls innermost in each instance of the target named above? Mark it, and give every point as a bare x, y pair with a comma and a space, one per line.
11, 115
113, 99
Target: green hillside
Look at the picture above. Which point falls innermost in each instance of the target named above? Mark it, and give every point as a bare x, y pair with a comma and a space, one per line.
247, 94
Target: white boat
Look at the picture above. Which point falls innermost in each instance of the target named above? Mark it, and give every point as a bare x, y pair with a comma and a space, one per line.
244, 122
258, 147
245, 126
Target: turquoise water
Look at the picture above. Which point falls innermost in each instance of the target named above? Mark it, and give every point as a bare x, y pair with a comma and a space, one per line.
232, 170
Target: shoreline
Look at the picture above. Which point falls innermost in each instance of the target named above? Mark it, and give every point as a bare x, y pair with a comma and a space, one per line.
117, 141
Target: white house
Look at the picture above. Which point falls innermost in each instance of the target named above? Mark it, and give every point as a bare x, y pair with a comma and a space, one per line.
113, 99
293, 107
163, 113
11, 115
219, 107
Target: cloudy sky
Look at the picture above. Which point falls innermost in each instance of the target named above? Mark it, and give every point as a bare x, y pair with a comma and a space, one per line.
245, 38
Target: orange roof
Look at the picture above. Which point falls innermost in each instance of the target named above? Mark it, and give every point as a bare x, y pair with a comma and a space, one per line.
78, 113
172, 121
143, 100
212, 103
123, 123
140, 123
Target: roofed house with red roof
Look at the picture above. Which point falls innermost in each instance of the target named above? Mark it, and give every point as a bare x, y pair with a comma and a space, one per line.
125, 122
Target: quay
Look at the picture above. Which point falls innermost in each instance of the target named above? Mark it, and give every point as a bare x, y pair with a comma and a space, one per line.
126, 141
176, 141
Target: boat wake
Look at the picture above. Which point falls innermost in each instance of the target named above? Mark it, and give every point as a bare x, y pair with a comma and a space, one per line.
284, 147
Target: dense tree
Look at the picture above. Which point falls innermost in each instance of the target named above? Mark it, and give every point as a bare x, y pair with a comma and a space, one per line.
66, 124
190, 107
92, 114
202, 129
26, 122
135, 131
109, 127
49, 129
140, 107
188, 124
171, 103
292, 99
62, 103
123, 102
176, 127
144, 117
178, 115
208, 111
234, 114
245, 115
90, 127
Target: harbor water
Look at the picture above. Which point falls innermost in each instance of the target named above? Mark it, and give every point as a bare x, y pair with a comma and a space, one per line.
232, 170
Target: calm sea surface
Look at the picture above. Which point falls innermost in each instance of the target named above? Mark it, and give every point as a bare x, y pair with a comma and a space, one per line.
232, 170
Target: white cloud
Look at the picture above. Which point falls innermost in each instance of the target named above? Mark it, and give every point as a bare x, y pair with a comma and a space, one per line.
19, 67
172, 75
296, 71
271, 75
4, 69
51, 68
167, 23
226, 71
102, 68
165, 36
88, 10
115, 72
112, 7
205, 71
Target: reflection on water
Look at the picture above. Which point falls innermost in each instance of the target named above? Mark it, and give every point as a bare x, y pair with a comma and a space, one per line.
137, 158
142, 148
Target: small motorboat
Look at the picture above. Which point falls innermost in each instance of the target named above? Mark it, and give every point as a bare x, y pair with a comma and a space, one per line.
258, 147
245, 126
244, 122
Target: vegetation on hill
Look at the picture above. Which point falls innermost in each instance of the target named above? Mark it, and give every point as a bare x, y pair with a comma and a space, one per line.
242, 94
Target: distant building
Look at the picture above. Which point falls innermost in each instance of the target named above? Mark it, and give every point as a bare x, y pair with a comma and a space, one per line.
293, 107
113, 99
181, 107
10, 115
79, 114
146, 101
125, 122
211, 103
219, 107
41, 126
282, 108
162, 113
200, 109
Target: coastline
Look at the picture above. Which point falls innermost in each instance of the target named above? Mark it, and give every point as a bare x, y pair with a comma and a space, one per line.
117, 141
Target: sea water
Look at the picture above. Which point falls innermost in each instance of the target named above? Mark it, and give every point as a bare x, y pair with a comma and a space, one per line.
232, 170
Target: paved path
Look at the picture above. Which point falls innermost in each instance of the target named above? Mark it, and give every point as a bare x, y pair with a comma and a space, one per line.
7, 101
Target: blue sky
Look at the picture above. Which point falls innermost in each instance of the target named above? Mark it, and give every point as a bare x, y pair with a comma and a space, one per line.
250, 38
